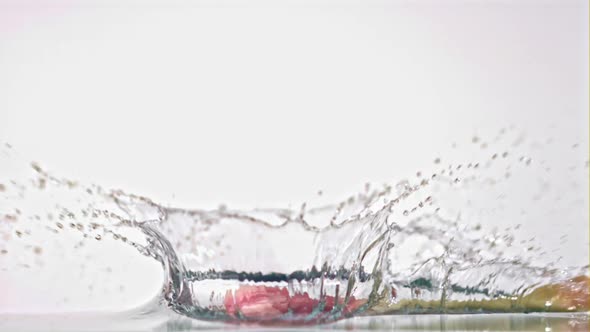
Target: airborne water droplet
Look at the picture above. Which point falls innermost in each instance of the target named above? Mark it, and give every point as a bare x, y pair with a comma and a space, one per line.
246, 253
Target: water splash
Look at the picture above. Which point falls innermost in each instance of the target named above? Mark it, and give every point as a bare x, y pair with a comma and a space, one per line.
457, 239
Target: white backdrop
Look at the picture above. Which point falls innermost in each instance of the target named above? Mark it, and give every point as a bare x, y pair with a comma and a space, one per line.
201, 103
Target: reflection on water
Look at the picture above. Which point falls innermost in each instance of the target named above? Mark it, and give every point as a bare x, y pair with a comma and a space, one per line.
158, 323
499, 322
483, 322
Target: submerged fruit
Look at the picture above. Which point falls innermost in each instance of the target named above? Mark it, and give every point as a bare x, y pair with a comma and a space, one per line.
571, 295
257, 302
267, 303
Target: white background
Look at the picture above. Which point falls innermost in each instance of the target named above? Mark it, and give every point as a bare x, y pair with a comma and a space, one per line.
258, 104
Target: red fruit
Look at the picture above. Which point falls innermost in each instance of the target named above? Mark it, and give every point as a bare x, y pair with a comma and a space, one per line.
230, 305
353, 304
264, 303
302, 304
258, 302
329, 303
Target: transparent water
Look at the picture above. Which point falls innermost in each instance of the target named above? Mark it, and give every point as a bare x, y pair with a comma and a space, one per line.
458, 237
475, 322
